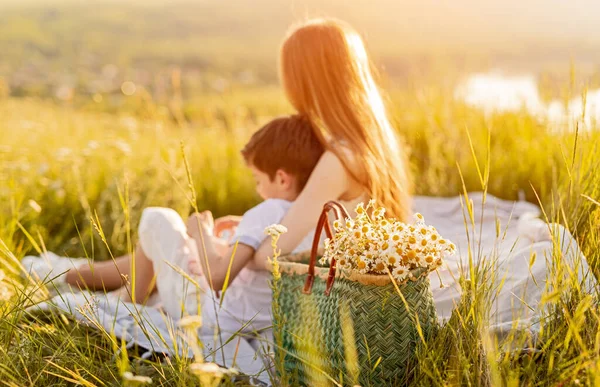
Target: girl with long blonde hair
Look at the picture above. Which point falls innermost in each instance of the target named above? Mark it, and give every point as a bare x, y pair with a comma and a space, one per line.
327, 75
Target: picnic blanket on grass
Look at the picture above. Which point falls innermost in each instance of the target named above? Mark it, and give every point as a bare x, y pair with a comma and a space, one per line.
505, 234
153, 332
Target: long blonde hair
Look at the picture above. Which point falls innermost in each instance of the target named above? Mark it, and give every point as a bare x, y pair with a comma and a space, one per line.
327, 76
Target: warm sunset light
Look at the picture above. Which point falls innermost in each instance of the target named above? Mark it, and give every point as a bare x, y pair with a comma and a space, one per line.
299, 193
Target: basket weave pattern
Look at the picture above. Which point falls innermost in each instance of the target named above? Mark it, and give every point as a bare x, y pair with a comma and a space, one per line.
383, 328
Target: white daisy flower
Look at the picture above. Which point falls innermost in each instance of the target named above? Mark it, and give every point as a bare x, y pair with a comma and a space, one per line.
360, 209
400, 273
344, 264
337, 225
361, 266
135, 380
434, 237
379, 213
380, 266
357, 234
396, 237
393, 259
411, 242
211, 369
419, 219
275, 230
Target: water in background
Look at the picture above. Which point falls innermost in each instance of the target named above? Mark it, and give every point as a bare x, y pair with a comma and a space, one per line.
496, 92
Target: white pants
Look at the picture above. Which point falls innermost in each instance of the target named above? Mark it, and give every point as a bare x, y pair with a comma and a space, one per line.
246, 304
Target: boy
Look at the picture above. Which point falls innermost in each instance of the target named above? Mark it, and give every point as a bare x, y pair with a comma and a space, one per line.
281, 156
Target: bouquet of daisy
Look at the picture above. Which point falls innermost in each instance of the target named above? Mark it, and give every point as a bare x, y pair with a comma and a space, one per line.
373, 244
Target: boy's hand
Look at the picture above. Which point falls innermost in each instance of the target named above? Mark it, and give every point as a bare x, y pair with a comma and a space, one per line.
194, 266
200, 222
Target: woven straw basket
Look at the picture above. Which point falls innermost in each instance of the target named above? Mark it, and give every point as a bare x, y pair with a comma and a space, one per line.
358, 331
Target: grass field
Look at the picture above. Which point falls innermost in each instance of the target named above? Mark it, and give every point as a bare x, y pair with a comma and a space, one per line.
81, 150
61, 167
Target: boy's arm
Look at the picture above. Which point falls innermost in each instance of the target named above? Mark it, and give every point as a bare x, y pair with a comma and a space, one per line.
214, 265
203, 221
221, 246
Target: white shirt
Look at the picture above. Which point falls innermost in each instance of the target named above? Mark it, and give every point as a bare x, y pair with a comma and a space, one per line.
251, 230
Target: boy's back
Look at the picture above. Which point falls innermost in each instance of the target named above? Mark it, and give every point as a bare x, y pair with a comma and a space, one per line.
250, 230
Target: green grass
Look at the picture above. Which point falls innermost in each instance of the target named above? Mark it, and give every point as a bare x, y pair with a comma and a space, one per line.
59, 166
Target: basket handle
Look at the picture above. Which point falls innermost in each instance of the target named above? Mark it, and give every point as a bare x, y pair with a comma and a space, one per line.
340, 213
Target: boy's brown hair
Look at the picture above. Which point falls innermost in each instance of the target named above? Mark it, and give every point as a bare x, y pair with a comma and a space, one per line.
287, 143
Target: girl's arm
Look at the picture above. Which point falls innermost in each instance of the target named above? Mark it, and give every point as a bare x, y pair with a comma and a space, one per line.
328, 181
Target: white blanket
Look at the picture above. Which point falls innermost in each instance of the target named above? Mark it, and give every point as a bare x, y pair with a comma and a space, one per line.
153, 331
504, 232
510, 237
